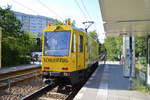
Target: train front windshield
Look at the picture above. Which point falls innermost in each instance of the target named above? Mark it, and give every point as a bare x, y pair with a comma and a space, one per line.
57, 43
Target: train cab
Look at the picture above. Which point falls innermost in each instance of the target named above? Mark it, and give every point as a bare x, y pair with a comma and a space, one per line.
65, 55
63, 52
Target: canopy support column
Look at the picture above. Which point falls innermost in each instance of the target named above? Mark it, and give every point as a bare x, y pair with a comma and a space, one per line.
148, 65
128, 56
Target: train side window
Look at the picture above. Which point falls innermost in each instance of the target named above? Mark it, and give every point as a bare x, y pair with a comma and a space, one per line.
87, 45
73, 43
80, 43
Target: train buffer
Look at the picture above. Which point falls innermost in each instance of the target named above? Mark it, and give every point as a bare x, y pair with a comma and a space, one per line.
108, 83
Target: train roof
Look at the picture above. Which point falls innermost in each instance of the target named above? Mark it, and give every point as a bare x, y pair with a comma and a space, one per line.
65, 27
79, 29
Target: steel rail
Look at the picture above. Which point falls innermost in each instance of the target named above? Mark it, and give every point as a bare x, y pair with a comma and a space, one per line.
17, 76
74, 92
39, 92
11, 81
18, 72
12, 78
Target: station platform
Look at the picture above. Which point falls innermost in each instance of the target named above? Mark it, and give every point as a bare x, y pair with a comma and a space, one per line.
108, 83
18, 68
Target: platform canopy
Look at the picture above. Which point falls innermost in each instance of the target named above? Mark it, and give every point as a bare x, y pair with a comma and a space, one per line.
126, 17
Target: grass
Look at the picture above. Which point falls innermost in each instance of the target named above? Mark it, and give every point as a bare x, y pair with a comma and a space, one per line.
139, 86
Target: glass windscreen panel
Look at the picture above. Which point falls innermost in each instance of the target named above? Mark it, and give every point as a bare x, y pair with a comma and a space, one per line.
57, 43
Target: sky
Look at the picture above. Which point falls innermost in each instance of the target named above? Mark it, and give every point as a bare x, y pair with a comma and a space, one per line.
78, 10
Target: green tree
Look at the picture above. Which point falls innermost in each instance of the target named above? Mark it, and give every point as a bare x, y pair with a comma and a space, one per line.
10, 29
93, 34
72, 21
10, 24
141, 46
30, 42
58, 22
113, 47
16, 44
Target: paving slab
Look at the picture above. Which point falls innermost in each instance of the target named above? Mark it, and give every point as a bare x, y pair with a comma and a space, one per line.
108, 83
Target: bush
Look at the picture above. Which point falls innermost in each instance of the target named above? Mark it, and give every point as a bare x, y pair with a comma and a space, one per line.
138, 85
143, 63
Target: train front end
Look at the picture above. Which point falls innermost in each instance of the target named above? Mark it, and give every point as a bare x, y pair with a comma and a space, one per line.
57, 61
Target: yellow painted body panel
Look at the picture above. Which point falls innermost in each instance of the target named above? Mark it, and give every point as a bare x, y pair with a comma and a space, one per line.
76, 60
58, 28
55, 65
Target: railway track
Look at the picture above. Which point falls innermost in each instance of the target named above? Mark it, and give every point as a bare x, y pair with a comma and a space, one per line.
13, 77
14, 85
39, 92
29, 86
52, 92
21, 88
13, 80
19, 72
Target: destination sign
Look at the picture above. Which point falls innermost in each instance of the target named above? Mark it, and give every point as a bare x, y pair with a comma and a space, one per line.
63, 60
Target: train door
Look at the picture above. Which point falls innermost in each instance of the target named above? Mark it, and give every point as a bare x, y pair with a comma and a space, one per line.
74, 49
80, 54
86, 51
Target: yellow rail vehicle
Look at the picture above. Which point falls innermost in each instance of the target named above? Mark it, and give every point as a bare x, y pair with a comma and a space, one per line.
68, 54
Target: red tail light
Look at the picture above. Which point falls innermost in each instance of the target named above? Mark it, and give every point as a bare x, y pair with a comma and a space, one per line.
64, 68
46, 68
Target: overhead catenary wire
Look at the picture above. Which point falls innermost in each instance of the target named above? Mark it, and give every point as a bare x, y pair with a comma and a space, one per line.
52, 11
86, 9
25, 6
81, 9
87, 12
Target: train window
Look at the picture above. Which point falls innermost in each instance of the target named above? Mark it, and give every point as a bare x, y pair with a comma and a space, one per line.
87, 45
73, 43
57, 43
80, 43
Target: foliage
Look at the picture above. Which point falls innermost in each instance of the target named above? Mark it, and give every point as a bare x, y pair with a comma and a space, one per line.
141, 52
72, 22
113, 47
143, 61
58, 22
137, 85
141, 64
31, 42
93, 34
16, 44
141, 46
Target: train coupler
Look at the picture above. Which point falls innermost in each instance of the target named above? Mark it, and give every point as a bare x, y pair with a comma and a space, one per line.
48, 81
